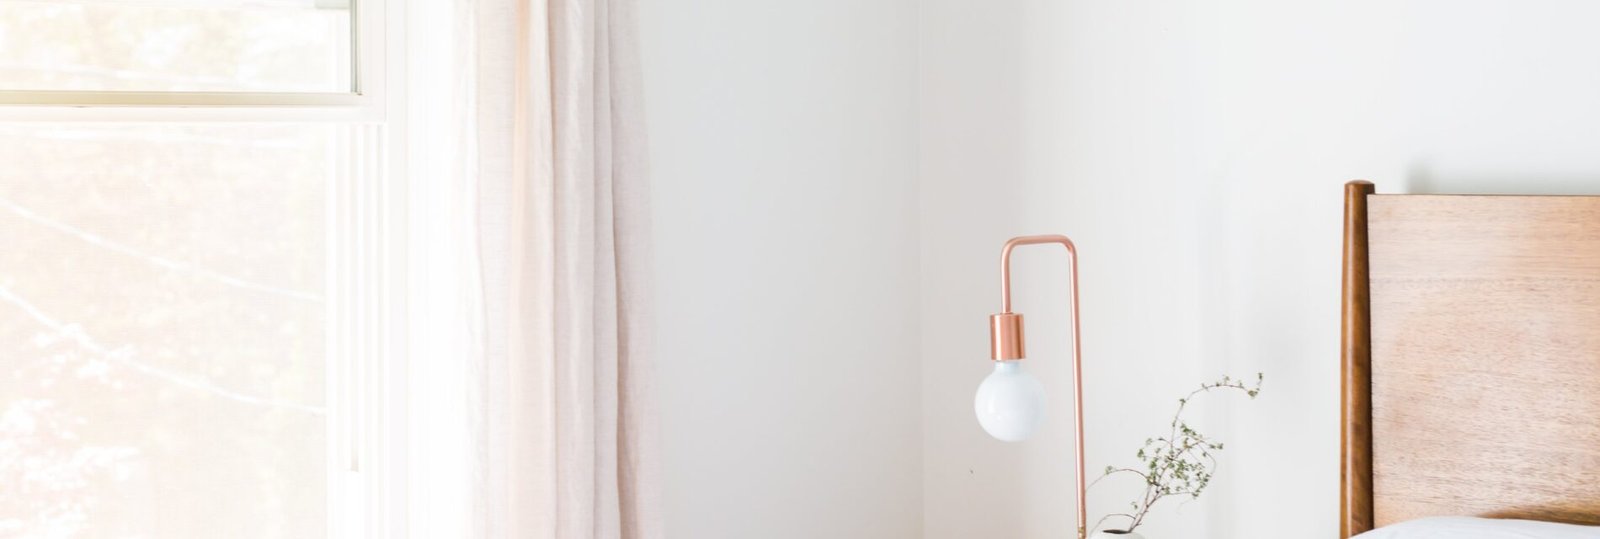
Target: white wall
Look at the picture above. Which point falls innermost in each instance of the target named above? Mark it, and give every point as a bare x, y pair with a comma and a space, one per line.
1196, 153
834, 180
783, 139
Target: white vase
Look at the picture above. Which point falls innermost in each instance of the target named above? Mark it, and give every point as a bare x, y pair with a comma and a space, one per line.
1115, 534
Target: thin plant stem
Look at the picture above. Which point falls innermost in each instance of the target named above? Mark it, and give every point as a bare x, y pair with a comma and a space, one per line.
1181, 463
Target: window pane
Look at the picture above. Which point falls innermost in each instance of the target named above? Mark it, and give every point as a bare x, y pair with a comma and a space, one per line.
176, 45
162, 330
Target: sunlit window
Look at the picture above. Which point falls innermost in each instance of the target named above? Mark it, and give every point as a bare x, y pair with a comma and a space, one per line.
176, 298
176, 45
162, 329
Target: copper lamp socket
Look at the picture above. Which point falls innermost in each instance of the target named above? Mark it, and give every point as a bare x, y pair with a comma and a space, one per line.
1005, 336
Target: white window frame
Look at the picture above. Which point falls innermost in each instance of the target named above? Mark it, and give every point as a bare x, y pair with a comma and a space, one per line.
366, 256
378, 26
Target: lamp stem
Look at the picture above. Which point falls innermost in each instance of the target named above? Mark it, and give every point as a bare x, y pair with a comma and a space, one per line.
1077, 353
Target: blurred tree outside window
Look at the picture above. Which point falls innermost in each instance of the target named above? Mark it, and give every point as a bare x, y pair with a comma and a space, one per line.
175, 45
163, 301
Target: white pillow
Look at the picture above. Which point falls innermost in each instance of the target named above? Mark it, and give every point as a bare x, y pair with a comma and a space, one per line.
1480, 528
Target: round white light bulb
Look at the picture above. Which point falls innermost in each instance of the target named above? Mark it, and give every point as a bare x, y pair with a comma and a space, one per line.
1010, 403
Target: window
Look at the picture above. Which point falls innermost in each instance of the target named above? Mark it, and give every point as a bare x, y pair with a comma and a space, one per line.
163, 323
176, 45
193, 298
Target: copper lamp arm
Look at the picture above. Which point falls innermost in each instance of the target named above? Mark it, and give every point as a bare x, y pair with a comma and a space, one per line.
1005, 266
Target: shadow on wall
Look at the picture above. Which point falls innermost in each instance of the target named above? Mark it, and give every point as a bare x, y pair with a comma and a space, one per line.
1421, 180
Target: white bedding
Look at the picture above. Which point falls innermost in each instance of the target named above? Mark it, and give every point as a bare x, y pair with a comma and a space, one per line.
1480, 528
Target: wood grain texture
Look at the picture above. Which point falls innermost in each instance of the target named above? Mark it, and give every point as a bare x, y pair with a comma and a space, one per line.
1355, 359
1485, 358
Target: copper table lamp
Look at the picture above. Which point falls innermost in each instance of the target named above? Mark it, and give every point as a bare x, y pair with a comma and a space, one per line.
1010, 403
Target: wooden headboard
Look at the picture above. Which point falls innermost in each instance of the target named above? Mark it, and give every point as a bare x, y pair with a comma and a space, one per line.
1471, 358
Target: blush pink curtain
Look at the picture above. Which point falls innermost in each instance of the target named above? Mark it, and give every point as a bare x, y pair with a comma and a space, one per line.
564, 430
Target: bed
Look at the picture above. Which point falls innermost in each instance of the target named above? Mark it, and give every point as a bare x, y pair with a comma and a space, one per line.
1470, 354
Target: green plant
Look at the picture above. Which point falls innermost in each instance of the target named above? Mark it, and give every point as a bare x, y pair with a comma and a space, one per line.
1181, 463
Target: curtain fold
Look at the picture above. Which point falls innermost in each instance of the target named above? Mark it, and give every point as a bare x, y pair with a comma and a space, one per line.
562, 410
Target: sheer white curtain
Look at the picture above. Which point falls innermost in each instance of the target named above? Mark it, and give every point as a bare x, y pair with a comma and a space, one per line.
539, 307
